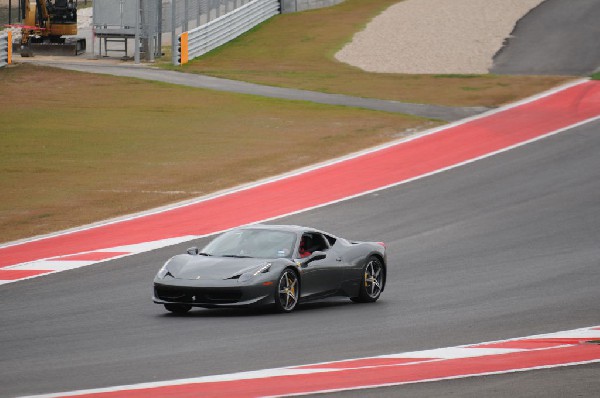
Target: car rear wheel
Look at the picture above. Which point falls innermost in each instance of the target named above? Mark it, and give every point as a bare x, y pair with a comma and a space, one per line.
178, 308
288, 291
371, 281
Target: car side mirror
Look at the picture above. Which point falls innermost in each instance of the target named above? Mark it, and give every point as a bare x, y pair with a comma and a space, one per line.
315, 256
193, 251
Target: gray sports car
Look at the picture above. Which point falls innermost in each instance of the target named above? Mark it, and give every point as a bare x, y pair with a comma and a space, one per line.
279, 265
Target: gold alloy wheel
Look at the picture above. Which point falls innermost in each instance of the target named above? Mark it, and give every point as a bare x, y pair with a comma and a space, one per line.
373, 278
288, 290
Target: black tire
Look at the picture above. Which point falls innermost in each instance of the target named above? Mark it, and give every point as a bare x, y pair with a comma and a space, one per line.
287, 291
178, 308
371, 282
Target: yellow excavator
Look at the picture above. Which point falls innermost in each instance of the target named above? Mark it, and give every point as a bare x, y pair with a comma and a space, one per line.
46, 24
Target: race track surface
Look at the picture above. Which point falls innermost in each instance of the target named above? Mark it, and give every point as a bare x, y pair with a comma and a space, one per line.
559, 37
503, 247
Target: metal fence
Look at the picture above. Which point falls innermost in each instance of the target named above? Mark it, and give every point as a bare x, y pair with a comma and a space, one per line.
5, 48
209, 23
204, 38
122, 20
189, 14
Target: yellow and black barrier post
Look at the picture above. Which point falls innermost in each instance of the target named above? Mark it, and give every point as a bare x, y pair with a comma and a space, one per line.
9, 61
183, 48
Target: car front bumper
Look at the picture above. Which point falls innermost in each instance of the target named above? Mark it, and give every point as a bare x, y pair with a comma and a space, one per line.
210, 294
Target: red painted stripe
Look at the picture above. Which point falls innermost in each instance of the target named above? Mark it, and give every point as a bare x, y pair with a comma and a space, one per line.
369, 377
93, 256
14, 274
372, 171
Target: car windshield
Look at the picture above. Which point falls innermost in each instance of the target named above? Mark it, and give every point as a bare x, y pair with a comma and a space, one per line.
260, 243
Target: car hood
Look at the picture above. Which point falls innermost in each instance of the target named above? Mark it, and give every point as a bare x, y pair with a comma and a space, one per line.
211, 268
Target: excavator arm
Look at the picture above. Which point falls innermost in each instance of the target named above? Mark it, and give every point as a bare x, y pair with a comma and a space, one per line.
43, 16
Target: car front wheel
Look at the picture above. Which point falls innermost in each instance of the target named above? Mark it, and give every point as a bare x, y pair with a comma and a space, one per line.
288, 291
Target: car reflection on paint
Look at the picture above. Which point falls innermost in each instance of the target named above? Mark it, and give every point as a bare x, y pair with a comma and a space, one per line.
271, 265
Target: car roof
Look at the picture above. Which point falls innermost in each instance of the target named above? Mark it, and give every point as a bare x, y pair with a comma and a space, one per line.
289, 228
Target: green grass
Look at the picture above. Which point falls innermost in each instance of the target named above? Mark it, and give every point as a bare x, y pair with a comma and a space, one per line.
297, 50
77, 148
596, 76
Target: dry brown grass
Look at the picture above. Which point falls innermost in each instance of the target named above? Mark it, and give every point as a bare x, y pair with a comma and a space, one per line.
77, 148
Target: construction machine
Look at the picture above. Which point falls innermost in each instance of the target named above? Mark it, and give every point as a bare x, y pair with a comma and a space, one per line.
50, 28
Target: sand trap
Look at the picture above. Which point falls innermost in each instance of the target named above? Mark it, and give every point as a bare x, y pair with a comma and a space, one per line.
435, 36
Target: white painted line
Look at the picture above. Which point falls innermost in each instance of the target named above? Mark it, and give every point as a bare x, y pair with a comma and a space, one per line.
367, 387
589, 333
450, 352
430, 173
143, 247
455, 353
577, 334
256, 374
148, 246
47, 265
298, 171
57, 264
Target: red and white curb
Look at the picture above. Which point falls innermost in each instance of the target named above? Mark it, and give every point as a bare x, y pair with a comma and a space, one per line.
544, 351
64, 263
369, 171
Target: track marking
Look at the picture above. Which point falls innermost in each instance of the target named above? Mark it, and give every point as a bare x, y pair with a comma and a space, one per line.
49, 266
566, 348
373, 170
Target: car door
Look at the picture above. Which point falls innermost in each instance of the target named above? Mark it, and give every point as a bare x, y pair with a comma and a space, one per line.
321, 277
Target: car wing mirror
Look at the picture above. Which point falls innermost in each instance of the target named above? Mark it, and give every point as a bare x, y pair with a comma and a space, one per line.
313, 257
193, 251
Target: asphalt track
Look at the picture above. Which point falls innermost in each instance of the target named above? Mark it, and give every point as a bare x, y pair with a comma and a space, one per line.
503, 247
559, 37
446, 113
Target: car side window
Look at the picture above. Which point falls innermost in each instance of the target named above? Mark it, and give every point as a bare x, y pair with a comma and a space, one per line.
330, 239
312, 242
319, 243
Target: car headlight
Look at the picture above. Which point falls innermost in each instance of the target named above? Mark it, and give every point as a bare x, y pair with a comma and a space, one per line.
246, 276
164, 271
263, 269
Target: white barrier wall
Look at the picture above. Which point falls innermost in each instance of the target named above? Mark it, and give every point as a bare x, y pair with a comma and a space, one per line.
5, 48
211, 35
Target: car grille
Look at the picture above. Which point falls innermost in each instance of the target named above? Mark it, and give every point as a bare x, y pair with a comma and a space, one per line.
197, 295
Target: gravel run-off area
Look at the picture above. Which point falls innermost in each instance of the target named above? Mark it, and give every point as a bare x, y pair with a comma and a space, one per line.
435, 36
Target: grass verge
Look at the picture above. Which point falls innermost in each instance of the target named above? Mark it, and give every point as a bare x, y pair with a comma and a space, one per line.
297, 50
77, 148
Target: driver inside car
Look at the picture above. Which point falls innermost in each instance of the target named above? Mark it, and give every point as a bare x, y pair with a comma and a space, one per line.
304, 245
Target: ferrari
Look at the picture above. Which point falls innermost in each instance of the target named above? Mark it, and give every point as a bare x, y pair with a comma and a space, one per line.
271, 265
